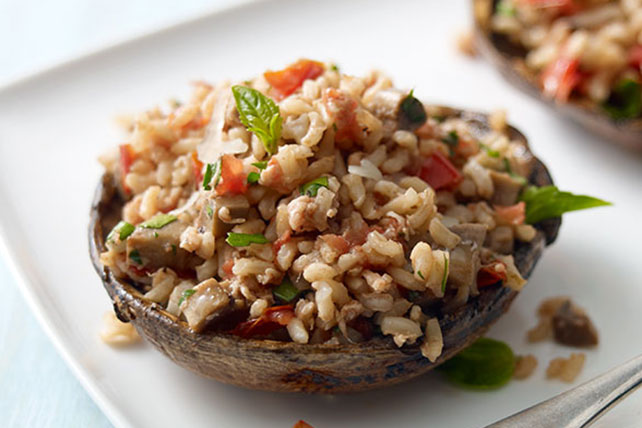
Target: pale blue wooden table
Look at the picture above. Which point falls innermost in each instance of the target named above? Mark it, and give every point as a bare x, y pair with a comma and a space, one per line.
36, 387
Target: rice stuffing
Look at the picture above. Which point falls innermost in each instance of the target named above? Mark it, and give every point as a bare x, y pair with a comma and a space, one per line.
333, 209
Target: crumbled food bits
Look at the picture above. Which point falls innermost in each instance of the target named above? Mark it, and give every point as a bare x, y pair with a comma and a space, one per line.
563, 321
525, 365
117, 333
572, 327
566, 369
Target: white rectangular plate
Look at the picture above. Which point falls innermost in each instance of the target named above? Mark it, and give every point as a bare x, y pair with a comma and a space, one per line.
53, 126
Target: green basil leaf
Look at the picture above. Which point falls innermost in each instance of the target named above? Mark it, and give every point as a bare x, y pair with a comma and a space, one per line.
159, 221
123, 229
260, 115
245, 239
486, 364
505, 8
187, 293
549, 202
253, 177
311, 188
412, 112
134, 255
212, 172
625, 101
260, 165
445, 277
286, 291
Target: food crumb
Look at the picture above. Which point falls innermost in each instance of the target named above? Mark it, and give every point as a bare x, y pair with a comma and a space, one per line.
466, 43
563, 321
117, 333
566, 369
302, 424
525, 365
497, 120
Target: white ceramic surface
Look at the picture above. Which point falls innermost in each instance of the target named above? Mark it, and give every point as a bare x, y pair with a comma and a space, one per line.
53, 126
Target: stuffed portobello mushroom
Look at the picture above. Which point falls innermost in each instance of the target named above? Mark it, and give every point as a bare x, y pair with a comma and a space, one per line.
308, 230
583, 57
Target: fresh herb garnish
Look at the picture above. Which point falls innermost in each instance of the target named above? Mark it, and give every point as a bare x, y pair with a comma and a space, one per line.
260, 115
155, 234
505, 8
285, 291
209, 210
253, 177
260, 165
334, 67
486, 364
212, 171
548, 202
452, 138
625, 101
490, 152
135, 256
413, 113
123, 229
159, 221
521, 180
421, 275
186, 294
311, 188
445, 277
245, 239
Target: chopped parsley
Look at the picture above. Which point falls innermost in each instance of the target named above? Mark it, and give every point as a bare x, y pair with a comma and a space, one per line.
452, 139
490, 152
123, 229
253, 177
286, 291
212, 171
159, 221
521, 180
209, 210
420, 275
260, 165
445, 277
186, 294
625, 101
245, 239
134, 255
311, 188
412, 113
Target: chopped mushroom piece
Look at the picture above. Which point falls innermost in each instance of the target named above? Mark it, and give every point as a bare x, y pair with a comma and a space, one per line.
571, 326
207, 301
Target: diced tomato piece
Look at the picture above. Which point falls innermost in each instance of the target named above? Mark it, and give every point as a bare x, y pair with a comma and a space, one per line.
126, 159
513, 214
302, 424
233, 177
197, 166
560, 78
286, 81
140, 271
491, 274
635, 56
439, 172
342, 108
272, 319
227, 267
276, 246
